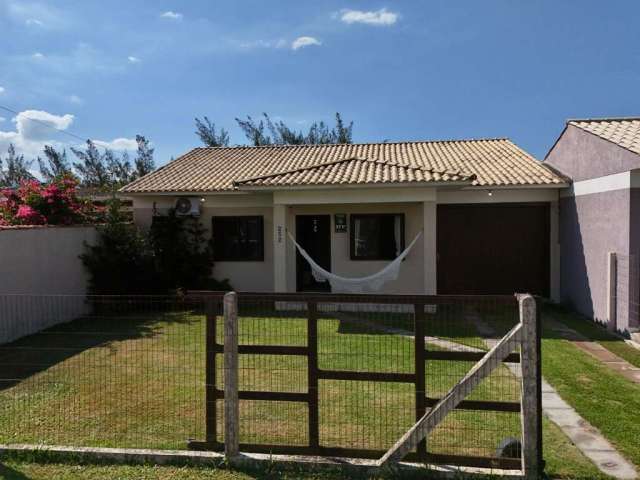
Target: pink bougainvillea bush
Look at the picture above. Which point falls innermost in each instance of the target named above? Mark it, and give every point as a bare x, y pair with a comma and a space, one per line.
55, 203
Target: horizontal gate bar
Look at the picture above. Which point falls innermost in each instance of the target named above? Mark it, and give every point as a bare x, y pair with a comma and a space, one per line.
267, 396
466, 356
367, 298
274, 396
432, 458
266, 349
366, 376
485, 405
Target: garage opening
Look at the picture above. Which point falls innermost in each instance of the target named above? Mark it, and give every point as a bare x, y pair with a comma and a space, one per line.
493, 249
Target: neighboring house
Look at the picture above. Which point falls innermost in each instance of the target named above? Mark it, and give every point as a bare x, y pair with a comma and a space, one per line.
488, 211
599, 215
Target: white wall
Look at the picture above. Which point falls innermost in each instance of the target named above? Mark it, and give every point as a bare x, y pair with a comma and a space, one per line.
42, 280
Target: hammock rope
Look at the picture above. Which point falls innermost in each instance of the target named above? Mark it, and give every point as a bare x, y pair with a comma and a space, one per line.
370, 283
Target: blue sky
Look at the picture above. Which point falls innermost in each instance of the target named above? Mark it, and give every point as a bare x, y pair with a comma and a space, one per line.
402, 70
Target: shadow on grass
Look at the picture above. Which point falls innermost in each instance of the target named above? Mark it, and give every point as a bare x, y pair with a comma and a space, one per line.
35, 353
556, 319
8, 473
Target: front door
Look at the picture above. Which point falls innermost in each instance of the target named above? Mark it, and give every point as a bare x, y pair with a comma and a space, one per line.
313, 233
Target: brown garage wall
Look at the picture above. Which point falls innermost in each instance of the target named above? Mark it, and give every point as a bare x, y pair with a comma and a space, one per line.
493, 249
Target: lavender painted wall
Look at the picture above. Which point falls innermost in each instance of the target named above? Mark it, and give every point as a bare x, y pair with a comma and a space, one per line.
581, 155
593, 225
590, 227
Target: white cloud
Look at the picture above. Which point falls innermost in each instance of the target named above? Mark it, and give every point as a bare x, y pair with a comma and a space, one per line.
279, 43
33, 130
1, 89
32, 14
118, 144
37, 56
2, 119
302, 42
381, 17
75, 99
171, 15
133, 59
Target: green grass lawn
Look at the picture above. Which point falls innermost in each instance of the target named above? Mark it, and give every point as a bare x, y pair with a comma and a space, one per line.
133, 380
596, 333
43, 467
602, 397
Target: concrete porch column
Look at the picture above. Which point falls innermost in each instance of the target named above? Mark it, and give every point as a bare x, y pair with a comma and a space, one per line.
429, 222
280, 248
554, 252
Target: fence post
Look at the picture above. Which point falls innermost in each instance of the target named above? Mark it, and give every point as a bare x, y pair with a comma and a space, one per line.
210, 372
612, 278
312, 374
421, 390
231, 402
532, 465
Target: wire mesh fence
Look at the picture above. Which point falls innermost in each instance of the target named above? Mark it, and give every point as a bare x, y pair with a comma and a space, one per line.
323, 374
627, 292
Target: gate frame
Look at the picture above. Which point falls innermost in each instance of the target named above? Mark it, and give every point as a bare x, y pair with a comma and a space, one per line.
530, 463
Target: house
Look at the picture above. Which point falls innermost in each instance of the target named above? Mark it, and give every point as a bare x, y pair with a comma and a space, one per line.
487, 211
599, 217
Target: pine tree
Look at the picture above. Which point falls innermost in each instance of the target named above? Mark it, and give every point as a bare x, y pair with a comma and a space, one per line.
118, 168
209, 135
54, 165
91, 167
143, 162
16, 170
268, 132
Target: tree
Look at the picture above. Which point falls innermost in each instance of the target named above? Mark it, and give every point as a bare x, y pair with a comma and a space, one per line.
268, 132
255, 132
121, 261
118, 168
209, 135
54, 165
183, 255
16, 170
143, 162
342, 134
91, 167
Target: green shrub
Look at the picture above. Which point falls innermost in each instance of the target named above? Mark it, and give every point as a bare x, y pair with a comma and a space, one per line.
173, 254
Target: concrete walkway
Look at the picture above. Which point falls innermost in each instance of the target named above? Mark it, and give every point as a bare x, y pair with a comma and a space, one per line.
608, 358
584, 436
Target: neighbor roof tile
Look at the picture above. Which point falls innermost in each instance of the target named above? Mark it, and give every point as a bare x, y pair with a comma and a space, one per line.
621, 131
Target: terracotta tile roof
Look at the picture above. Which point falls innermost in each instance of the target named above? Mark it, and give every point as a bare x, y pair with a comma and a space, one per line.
490, 162
624, 132
353, 171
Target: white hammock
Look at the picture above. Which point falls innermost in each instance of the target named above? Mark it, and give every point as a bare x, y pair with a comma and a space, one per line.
370, 283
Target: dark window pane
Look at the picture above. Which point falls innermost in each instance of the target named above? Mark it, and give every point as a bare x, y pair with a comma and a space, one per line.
377, 236
238, 238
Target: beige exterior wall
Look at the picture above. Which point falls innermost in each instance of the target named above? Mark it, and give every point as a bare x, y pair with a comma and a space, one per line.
244, 276
278, 270
411, 279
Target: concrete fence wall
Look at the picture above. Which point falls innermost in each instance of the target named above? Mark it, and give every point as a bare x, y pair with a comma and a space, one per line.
42, 280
